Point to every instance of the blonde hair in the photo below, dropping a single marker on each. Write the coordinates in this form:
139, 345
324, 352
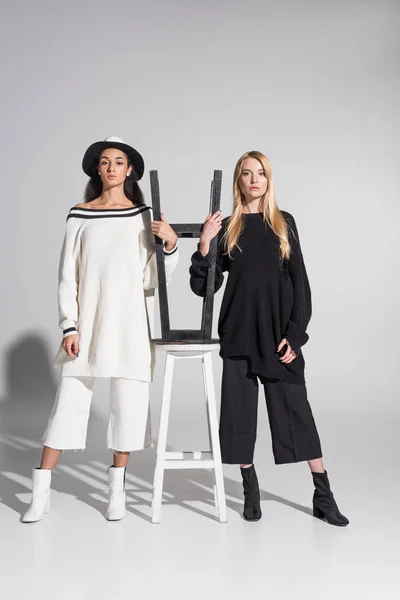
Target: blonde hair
268, 206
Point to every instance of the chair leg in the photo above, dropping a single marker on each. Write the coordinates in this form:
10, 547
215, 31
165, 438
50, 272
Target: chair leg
162, 439
220, 502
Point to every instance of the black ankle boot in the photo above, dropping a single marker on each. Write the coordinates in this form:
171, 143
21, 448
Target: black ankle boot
324, 505
252, 508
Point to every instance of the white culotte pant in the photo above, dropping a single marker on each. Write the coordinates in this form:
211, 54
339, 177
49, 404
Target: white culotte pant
129, 423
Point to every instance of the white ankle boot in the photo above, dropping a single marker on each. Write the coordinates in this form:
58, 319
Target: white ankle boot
116, 494
40, 503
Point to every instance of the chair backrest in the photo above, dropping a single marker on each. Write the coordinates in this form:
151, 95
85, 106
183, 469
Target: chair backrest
186, 230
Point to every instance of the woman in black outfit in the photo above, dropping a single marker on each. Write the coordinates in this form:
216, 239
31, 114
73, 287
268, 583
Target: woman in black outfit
262, 326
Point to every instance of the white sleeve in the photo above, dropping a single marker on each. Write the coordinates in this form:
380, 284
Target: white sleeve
148, 255
68, 277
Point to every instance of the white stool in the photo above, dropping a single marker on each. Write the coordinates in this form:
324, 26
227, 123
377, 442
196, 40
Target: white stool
210, 459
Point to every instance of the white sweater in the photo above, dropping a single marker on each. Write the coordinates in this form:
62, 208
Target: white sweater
107, 269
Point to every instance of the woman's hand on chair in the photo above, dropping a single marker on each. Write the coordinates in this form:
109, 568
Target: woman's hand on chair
163, 230
211, 228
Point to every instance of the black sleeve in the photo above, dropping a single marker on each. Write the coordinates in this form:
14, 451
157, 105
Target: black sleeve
296, 333
200, 265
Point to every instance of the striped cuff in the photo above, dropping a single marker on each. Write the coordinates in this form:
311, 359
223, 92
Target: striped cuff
169, 252
69, 331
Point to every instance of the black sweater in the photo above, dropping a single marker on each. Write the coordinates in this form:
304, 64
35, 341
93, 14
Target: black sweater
266, 298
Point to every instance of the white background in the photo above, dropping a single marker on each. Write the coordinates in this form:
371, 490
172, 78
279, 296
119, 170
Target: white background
313, 84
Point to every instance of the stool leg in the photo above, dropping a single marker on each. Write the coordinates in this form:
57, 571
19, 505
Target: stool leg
162, 439
213, 430
209, 431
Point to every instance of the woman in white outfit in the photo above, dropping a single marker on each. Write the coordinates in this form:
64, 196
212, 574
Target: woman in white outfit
107, 277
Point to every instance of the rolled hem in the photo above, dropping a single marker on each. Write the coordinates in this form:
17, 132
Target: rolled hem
240, 462
295, 460
58, 449
132, 450
237, 444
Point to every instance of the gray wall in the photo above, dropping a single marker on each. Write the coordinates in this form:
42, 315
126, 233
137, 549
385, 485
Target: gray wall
314, 84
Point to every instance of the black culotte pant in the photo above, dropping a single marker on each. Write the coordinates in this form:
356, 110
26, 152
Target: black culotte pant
294, 434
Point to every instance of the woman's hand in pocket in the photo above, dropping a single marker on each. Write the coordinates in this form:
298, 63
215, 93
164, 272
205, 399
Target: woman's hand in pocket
289, 355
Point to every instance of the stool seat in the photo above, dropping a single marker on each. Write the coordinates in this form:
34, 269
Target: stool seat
186, 346
179, 347
189, 459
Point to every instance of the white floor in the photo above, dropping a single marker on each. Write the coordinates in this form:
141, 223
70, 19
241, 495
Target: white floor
75, 553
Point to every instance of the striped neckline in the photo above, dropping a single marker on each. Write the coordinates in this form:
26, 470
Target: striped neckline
97, 213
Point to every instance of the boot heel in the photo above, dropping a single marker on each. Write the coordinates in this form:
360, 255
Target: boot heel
318, 513
323, 497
